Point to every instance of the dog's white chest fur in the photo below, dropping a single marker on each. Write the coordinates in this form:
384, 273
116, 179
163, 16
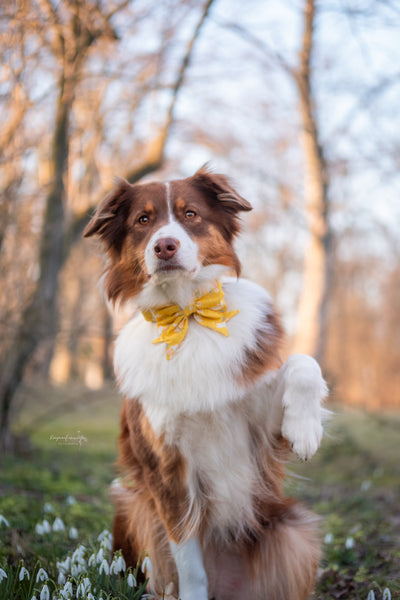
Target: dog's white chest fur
202, 375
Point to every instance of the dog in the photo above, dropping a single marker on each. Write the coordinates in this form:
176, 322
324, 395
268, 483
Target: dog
211, 413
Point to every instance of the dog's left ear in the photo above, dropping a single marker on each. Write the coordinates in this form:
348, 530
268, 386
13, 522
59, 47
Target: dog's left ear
218, 187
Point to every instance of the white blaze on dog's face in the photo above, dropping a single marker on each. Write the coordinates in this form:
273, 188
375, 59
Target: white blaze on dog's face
158, 232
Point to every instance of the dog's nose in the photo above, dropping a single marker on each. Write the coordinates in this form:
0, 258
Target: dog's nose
165, 248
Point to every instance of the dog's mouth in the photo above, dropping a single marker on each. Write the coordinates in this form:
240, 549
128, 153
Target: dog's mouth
168, 267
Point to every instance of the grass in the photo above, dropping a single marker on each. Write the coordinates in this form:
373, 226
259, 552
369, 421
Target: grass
353, 483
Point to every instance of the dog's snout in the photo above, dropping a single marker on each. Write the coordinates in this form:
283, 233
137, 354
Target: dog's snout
166, 248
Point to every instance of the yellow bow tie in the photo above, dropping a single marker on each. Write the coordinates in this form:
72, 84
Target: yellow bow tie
209, 310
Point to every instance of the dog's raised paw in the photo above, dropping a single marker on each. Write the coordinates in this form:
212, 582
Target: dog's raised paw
304, 435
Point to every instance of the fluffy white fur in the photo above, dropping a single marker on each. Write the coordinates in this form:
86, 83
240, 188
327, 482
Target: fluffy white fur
196, 402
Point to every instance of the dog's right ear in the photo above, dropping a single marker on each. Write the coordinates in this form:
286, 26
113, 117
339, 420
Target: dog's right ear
109, 220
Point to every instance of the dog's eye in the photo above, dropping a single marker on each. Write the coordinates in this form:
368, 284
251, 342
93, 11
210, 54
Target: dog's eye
190, 214
143, 219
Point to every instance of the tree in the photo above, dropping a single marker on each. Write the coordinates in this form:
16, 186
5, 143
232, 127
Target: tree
311, 330
74, 29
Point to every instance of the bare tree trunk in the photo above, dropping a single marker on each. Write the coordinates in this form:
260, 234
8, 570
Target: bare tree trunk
39, 319
312, 310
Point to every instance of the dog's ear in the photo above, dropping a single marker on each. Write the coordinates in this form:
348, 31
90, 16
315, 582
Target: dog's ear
109, 220
219, 189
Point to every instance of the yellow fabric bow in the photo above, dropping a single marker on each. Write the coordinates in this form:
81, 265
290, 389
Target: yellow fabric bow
209, 310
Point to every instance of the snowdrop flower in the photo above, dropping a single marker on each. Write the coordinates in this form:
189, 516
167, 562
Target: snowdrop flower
45, 594
48, 507
39, 529
70, 500
365, 486
41, 575
121, 563
92, 560
104, 567
4, 520
67, 591
73, 533
349, 543
90, 596
100, 555
78, 553
146, 565
371, 595
328, 538
58, 525
118, 564
83, 588
130, 580
23, 573
61, 578
386, 594
105, 539
42, 528
3, 575
64, 565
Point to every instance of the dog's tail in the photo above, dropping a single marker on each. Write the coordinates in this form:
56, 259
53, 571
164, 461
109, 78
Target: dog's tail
285, 561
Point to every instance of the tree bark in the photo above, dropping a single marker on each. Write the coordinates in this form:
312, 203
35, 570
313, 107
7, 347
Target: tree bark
310, 336
40, 318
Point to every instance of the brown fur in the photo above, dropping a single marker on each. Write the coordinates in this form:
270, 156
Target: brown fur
117, 222
275, 555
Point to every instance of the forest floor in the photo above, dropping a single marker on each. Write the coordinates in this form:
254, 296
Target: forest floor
353, 483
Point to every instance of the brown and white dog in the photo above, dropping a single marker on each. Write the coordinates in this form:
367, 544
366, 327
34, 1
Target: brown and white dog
209, 416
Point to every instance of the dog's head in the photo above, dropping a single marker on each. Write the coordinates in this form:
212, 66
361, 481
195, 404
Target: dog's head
156, 231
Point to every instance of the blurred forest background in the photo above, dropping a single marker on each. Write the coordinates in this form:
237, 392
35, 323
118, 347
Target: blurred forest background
298, 101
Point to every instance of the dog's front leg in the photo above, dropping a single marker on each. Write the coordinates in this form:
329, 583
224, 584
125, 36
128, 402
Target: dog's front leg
302, 389
191, 572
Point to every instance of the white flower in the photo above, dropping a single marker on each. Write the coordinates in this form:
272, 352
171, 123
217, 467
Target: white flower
121, 563
41, 575
48, 507
104, 567
73, 533
71, 500
349, 543
365, 485
42, 528
386, 594
92, 560
329, 538
58, 525
100, 555
371, 595
67, 591
3, 575
90, 596
61, 578
130, 580
83, 588
64, 566
146, 565
78, 553
4, 520
23, 573
45, 594
105, 538
114, 569
46, 526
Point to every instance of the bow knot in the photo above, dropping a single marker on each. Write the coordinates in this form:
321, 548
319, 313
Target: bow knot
209, 310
